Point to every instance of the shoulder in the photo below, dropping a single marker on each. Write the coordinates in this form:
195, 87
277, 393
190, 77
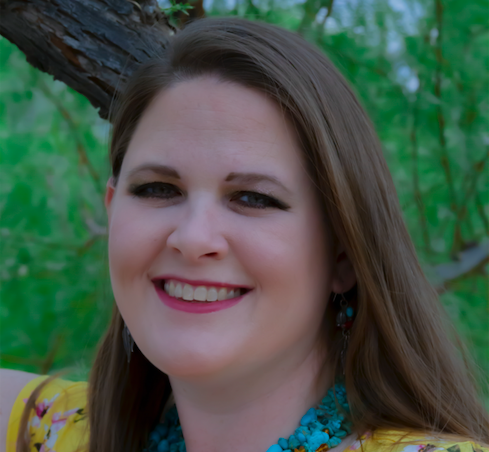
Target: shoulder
398, 441
57, 416
11, 383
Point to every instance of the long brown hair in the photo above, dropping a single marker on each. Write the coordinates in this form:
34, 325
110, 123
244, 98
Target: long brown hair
401, 369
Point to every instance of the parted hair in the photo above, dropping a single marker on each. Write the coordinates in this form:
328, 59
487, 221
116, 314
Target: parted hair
404, 368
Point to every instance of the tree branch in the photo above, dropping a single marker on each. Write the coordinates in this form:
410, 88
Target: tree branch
322, 24
42, 364
92, 46
467, 263
80, 147
311, 9
480, 210
473, 177
444, 160
415, 174
196, 12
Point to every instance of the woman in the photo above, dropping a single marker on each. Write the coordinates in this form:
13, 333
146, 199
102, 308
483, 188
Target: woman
258, 257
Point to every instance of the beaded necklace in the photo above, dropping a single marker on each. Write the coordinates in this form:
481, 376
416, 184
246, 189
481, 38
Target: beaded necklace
320, 429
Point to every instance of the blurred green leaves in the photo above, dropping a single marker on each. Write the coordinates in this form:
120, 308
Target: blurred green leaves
420, 69
54, 286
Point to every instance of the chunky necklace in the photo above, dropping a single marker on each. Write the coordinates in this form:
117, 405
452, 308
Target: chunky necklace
320, 429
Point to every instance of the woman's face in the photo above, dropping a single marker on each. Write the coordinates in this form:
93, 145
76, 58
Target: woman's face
213, 196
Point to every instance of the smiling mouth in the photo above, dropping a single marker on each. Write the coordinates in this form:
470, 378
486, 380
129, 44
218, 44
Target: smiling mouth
198, 294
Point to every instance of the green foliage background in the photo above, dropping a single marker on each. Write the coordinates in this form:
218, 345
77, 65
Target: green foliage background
420, 69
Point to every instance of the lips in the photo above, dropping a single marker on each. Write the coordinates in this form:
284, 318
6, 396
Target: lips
199, 293
198, 296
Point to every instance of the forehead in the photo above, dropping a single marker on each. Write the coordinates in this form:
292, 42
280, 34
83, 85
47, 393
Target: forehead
208, 122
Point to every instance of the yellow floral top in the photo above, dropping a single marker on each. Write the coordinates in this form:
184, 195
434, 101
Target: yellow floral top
59, 424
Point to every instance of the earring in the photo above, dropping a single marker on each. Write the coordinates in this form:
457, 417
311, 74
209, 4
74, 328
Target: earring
344, 320
128, 342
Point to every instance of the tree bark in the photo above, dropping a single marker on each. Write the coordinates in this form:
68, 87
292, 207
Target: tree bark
91, 45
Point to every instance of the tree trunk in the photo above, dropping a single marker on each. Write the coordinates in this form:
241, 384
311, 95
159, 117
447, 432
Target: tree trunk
91, 45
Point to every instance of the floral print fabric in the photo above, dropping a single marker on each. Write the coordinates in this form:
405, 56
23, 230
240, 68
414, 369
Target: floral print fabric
60, 424
398, 441
59, 421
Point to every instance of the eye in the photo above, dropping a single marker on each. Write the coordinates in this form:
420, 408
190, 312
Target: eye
155, 190
255, 200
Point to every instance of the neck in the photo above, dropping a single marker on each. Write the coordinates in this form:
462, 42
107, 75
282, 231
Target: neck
250, 412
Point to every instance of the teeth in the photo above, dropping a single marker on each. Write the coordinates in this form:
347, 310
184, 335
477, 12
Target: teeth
188, 292
178, 291
200, 293
212, 294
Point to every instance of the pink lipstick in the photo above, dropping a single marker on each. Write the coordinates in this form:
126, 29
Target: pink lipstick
197, 307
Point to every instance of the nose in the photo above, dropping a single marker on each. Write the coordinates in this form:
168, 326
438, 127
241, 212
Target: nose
198, 234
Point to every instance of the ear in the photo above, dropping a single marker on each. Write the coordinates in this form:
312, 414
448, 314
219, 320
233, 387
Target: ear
344, 277
109, 194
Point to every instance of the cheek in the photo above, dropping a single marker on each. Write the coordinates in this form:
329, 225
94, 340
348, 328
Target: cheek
289, 260
135, 240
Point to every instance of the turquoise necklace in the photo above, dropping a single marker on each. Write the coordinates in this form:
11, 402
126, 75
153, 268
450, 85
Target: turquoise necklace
320, 429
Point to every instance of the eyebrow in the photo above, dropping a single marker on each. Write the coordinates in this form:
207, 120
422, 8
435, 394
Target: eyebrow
162, 170
241, 178
250, 178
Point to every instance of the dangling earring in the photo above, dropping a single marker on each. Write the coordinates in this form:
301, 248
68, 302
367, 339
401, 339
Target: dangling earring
344, 320
128, 342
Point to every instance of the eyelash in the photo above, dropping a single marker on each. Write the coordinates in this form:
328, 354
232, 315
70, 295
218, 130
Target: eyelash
144, 191
270, 203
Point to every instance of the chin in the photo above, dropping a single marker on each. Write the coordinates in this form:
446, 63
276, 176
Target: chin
189, 362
